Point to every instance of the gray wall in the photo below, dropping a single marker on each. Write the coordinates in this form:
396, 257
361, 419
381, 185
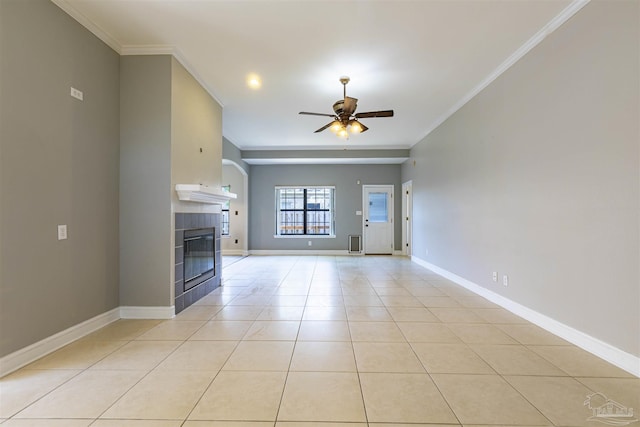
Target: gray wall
145, 181
59, 165
263, 180
196, 147
166, 118
537, 177
196, 136
233, 153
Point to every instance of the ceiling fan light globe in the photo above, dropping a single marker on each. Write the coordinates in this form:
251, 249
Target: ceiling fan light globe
342, 133
335, 126
355, 127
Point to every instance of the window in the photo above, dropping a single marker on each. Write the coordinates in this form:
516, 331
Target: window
304, 211
225, 212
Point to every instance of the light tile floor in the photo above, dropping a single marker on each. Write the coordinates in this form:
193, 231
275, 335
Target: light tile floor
319, 342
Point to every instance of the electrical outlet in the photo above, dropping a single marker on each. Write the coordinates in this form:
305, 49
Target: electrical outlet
309, 243
505, 280
62, 232
77, 94
495, 276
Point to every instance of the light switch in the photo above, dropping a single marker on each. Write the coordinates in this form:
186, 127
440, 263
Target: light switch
62, 232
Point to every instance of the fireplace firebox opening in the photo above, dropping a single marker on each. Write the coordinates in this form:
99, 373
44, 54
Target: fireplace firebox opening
199, 256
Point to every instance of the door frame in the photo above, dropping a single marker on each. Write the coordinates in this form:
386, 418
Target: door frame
407, 217
391, 188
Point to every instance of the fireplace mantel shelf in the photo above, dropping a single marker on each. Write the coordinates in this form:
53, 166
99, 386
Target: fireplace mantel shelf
203, 194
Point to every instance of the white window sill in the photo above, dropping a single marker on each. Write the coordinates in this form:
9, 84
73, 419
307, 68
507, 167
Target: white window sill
302, 236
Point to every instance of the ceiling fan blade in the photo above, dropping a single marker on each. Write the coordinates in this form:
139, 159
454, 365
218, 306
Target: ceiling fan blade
384, 113
316, 114
323, 127
350, 105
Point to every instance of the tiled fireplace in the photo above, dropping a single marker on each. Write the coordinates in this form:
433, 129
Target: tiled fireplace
195, 225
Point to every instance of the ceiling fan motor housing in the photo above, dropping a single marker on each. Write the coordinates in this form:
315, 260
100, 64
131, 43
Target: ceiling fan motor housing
344, 110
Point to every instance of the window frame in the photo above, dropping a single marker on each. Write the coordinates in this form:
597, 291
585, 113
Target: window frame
225, 213
305, 211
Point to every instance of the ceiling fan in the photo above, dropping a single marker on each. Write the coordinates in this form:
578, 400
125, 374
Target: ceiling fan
344, 118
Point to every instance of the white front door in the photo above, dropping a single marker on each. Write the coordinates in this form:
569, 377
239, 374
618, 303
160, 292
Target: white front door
378, 219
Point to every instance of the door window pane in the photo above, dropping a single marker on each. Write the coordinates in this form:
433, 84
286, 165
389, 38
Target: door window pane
378, 211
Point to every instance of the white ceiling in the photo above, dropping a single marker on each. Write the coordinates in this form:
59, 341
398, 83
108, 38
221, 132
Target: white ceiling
423, 59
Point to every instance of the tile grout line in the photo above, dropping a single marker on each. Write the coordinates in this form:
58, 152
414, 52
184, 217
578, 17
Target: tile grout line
353, 274
355, 361
81, 371
295, 343
221, 367
467, 345
428, 373
226, 360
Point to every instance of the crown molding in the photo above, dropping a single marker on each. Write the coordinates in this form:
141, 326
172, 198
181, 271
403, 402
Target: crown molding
100, 33
175, 52
182, 60
537, 38
550, 27
125, 50
148, 50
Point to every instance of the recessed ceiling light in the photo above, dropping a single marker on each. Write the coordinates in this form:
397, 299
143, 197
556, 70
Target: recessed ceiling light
254, 81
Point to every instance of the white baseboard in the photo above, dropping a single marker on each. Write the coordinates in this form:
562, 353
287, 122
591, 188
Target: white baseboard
329, 252
603, 350
147, 312
299, 252
24, 356
234, 252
